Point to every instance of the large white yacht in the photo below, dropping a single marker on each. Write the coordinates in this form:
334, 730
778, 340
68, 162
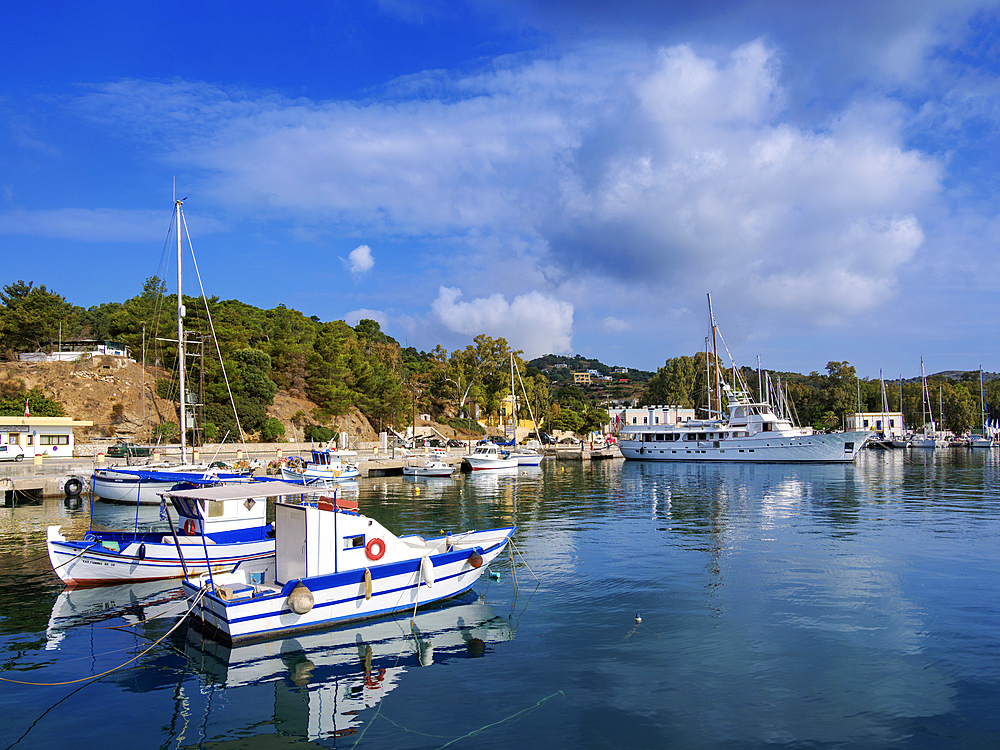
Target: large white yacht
752, 433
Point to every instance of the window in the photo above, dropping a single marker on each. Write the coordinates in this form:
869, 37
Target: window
644, 420
634, 420
53, 440
656, 420
12, 438
29, 439
353, 542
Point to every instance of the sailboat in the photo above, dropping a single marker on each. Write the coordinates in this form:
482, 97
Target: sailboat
985, 440
144, 485
525, 456
927, 437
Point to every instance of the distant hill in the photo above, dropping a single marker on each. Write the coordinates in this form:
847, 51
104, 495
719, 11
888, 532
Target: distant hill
577, 363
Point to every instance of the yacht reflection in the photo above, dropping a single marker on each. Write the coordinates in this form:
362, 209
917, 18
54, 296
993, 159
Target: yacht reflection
324, 681
134, 603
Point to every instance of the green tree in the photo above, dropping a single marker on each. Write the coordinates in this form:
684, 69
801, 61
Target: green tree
32, 317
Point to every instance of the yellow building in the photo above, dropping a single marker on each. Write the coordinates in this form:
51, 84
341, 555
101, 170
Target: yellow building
581, 378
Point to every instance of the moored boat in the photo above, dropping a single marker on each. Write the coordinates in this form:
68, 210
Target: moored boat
432, 467
326, 466
367, 571
487, 457
215, 527
143, 486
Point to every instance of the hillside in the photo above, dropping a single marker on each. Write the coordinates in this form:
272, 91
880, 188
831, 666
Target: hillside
108, 392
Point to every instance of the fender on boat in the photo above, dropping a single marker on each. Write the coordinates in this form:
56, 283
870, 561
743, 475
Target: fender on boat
427, 571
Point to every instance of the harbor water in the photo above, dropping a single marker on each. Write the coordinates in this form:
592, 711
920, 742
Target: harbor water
676, 606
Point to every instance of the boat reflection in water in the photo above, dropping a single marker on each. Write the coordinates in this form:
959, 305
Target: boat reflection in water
134, 603
330, 678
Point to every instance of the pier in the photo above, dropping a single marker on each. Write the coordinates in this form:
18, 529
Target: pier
30, 480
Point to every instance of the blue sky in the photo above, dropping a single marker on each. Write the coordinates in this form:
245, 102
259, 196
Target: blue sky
573, 176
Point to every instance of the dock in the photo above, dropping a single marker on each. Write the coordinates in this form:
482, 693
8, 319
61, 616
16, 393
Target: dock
31, 480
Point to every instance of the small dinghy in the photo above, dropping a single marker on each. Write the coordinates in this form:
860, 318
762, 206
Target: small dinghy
334, 565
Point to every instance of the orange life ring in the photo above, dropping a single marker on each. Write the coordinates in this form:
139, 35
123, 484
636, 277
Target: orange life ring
189, 528
375, 541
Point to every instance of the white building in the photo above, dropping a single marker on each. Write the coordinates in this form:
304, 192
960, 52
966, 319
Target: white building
48, 436
70, 351
889, 424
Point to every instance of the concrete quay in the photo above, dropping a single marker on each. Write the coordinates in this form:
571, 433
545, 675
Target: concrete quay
46, 477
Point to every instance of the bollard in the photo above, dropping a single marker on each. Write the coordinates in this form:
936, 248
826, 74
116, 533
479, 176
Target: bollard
375, 451
100, 457
279, 452
197, 455
38, 459
239, 454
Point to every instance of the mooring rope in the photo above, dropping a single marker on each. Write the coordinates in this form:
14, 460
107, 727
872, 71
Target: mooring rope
153, 645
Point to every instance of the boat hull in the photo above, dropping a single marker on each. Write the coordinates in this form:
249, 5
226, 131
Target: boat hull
483, 463
341, 597
94, 562
838, 447
319, 475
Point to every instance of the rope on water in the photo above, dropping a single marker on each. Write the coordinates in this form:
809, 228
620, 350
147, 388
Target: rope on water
120, 666
474, 732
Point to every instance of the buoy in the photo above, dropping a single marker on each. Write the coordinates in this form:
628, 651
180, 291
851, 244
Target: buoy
494, 576
301, 599
189, 528
475, 560
141, 554
368, 584
370, 548
427, 571
638, 620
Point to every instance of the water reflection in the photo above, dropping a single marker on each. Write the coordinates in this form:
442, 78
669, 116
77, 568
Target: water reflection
323, 683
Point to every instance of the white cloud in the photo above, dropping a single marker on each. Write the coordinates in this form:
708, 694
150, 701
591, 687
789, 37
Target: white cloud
355, 316
360, 261
620, 172
612, 324
532, 322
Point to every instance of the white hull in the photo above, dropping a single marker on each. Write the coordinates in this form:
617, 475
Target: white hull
927, 442
981, 443
838, 447
528, 458
429, 469
319, 475
89, 563
122, 487
341, 597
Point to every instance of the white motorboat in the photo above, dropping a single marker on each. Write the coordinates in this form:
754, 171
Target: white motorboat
489, 456
215, 526
432, 467
333, 566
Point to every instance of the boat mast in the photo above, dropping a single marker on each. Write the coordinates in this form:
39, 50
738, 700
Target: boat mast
982, 401
180, 334
708, 379
715, 356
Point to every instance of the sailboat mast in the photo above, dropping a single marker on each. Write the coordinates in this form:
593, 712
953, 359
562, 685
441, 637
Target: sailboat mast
982, 401
715, 356
180, 336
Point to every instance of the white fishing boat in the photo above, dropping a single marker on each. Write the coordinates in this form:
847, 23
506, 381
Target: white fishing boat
326, 466
144, 485
333, 565
217, 526
487, 457
432, 467
352, 667
750, 431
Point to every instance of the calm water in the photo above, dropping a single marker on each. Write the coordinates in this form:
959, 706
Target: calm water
789, 606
